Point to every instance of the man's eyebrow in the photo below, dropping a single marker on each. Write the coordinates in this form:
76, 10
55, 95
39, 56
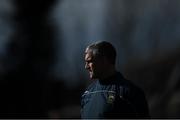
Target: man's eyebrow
89, 59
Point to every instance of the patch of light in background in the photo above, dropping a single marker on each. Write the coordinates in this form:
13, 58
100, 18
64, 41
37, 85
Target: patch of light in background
80, 23
152, 32
6, 12
170, 29
6, 22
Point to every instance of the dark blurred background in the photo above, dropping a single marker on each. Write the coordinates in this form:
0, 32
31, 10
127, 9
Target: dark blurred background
42, 46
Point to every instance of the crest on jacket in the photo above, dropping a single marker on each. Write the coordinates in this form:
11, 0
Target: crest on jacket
110, 97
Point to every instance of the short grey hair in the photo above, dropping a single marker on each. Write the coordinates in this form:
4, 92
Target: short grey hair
105, 49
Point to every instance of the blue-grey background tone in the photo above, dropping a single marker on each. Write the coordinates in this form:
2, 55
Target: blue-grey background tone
42, 45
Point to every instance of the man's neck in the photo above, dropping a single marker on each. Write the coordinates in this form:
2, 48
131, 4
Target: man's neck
108, 73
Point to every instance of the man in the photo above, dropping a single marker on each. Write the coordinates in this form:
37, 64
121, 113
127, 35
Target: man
110, 96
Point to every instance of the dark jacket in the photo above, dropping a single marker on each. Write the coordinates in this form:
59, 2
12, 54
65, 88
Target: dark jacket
114, 97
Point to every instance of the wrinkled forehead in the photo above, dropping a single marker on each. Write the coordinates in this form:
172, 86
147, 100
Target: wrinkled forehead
92, 54
88, 52
91, 51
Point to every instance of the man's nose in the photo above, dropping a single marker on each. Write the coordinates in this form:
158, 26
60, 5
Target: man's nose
86, 66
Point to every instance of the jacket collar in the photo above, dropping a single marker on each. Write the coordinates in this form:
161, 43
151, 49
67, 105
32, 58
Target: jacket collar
115, 78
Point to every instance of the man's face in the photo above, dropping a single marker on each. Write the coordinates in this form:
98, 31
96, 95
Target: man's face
93, 64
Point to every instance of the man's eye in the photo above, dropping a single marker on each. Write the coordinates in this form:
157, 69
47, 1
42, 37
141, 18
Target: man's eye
89, 62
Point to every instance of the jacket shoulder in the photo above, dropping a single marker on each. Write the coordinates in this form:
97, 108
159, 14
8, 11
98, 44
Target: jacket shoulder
91, 87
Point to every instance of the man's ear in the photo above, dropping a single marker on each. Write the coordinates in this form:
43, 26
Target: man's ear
105, 60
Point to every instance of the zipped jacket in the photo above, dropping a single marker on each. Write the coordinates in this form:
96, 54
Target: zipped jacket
114, 97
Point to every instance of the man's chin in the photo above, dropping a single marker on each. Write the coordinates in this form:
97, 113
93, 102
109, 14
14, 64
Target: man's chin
92, 77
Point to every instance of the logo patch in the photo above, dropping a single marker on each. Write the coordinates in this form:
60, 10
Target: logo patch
110, 98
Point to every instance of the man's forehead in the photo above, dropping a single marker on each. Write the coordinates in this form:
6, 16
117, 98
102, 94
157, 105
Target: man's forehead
88, 50
88, 54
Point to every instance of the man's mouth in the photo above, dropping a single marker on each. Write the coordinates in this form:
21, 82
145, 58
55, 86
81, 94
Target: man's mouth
90, 73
